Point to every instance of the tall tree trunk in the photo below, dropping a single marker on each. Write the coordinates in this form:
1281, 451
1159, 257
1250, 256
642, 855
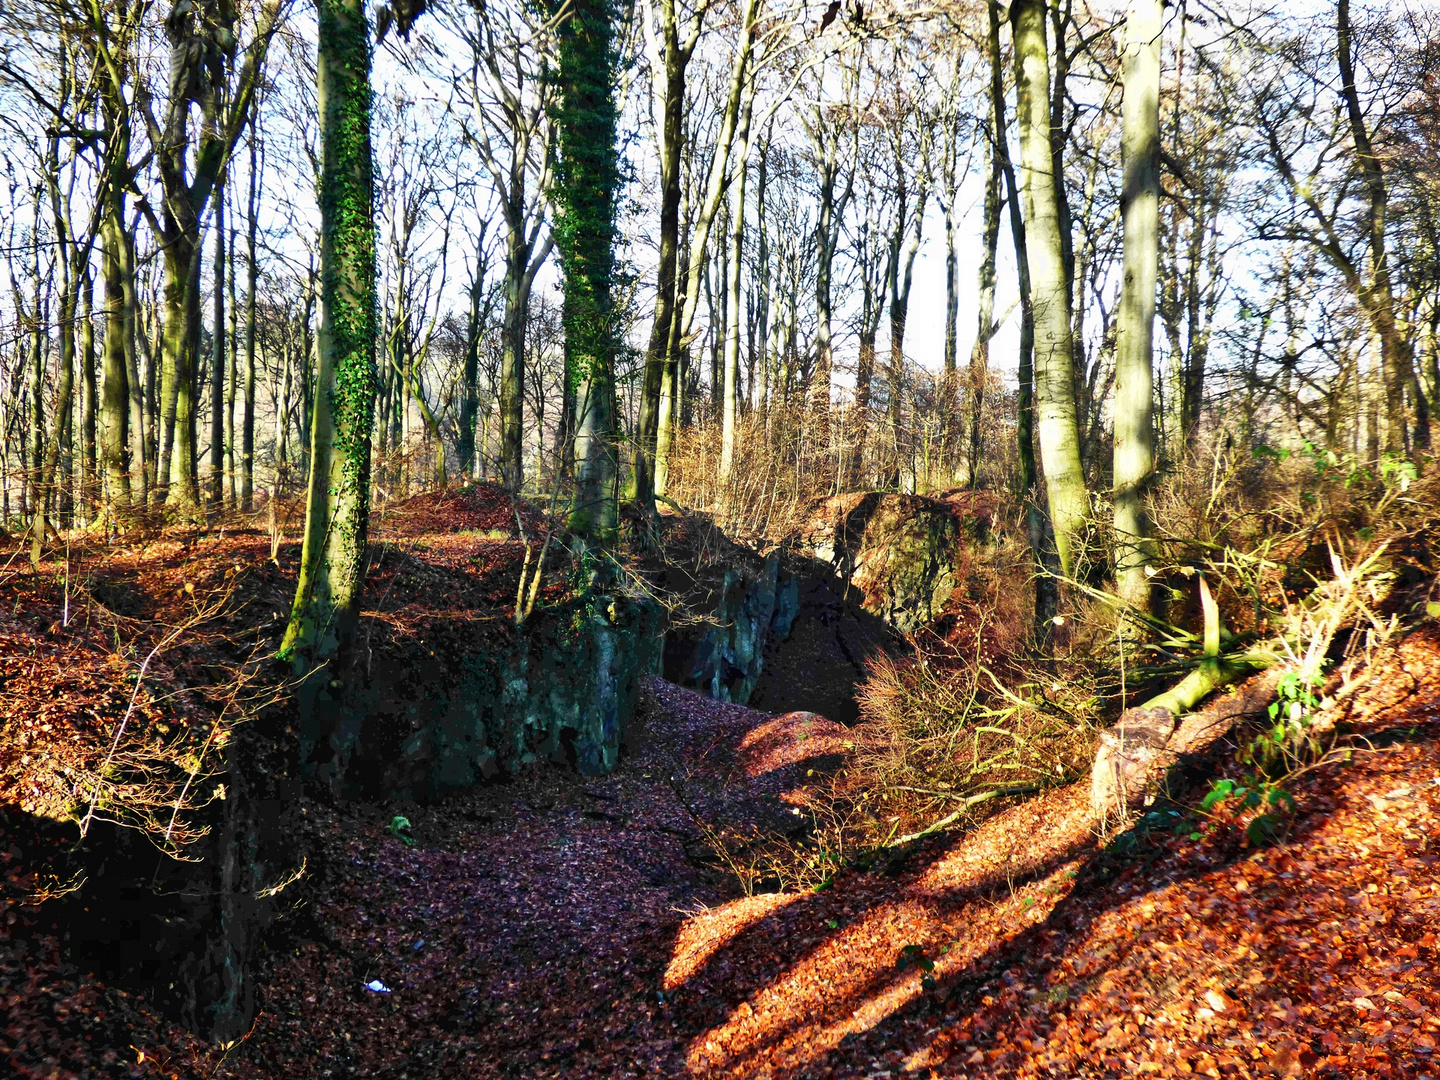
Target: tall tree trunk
949, 380
564, 452
38, 349
70, 258
186, 494
730, 409
698, 221
978, 377
717, 303
1038, 529
1064, 216
144, 396
282, 419
190, 172
232, 372
177, 374
826, 241
512, 356
119, 317
62, 405
252, 274
1378, 298
89, 478
1134, 362
470, 391
586, 181
337, 507
1050, 288
658, 355
1201, 308
904, 246
672, 380
760, 341
218, 359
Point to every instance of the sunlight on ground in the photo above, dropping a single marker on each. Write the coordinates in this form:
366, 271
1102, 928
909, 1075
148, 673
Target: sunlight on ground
973, 900
705, 934
788, 740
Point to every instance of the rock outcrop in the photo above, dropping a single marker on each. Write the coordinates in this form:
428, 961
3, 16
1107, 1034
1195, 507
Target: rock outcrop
897, 551
730, 656
561, 689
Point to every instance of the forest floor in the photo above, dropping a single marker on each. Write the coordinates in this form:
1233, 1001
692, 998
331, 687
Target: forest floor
564, 927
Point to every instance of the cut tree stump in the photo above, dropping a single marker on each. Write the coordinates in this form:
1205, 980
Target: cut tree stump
1137, 754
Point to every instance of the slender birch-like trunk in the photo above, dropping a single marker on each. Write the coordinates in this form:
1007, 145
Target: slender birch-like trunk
218, 355
673, 57
730, 408
252, 273
89, 476
978, 377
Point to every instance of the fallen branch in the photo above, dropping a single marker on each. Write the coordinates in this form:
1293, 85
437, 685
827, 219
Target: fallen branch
1137, 753
965, 804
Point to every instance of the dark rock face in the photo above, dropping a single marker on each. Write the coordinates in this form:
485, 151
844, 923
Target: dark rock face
729, 657
185, 933
794, 631
561, 689
818, 663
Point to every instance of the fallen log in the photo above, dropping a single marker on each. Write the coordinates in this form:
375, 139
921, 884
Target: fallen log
1136, 754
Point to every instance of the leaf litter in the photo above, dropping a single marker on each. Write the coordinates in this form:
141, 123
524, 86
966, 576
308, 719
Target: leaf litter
555, 926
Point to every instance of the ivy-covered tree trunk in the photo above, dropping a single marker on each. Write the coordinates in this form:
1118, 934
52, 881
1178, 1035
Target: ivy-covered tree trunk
337, 507
586, 179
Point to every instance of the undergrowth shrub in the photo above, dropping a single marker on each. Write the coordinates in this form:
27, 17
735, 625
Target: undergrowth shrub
762, 860
946, 735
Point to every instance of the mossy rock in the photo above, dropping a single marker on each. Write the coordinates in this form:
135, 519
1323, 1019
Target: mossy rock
898, 551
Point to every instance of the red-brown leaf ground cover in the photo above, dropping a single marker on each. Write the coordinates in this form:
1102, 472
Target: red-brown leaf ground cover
553, 926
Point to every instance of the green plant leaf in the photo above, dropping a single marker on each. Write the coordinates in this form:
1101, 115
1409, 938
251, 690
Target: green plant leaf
1222, 790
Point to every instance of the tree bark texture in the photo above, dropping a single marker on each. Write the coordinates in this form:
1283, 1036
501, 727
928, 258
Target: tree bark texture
1134, 360
586, 180
1050, 288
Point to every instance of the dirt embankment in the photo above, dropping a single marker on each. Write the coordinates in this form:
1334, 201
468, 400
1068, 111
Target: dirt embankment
559, 927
